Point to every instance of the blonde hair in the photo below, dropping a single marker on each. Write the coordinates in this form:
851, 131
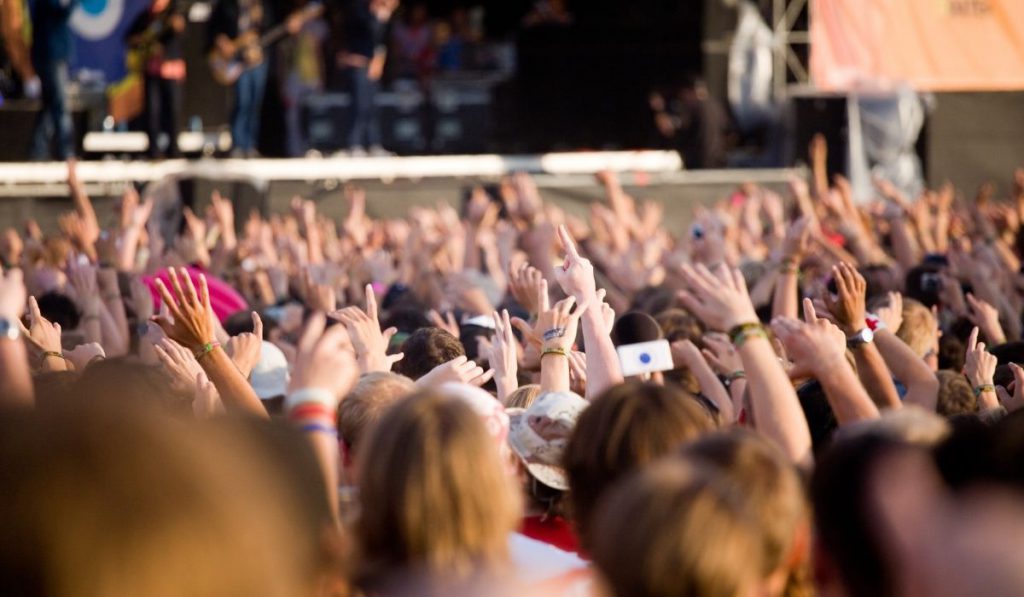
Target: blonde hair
919, 329
773, 490
435, 498
523, 397
675, 529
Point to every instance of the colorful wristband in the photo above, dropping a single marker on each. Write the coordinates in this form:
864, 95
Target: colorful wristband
985, 387
319, 428
310, 395
206, 349
741, 333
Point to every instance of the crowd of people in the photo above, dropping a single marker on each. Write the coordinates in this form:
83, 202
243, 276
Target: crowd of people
281, 404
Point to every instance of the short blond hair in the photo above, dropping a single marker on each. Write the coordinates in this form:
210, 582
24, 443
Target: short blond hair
920, 328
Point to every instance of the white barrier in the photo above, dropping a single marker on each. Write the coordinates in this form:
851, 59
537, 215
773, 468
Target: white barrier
17, 176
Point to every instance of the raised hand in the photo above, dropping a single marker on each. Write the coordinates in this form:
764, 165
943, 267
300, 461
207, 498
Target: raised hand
719, 299
12, 294
848, 306
524, 284
721, 354
244, 349
446, 323
503, 357
369, 342
324, 359
814, 344
576, 276
558, 325
180, 365
986, 317
192, 323
980, 368
457, 370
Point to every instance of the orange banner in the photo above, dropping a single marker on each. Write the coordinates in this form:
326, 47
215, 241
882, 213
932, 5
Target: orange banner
939, 45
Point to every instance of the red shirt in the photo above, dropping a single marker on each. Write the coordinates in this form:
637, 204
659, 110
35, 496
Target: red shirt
553, 530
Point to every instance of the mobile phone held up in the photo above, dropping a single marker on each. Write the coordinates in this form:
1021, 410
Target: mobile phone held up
645, 357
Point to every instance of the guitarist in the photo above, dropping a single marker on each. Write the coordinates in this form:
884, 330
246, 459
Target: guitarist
236, 25
156, 36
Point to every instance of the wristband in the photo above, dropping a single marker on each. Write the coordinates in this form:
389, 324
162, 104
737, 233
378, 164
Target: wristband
319, 428
741, 333
789, 266
740, 374
310, 410
52, 353
560, 351
310, 395
206, 349
985, 387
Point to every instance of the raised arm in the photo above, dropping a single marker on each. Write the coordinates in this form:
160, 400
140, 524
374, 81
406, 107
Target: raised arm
15, 377
558, 325
818, 346
576, 277
192, 327
786, 299
907, 367
847, 307
721, 301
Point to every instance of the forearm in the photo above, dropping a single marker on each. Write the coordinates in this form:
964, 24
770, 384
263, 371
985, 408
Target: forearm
875, 377
712, 389
777, 412
554, 373
847, 397
909, 369
786, 298
905, 247
603, 369
15, 377
234, 390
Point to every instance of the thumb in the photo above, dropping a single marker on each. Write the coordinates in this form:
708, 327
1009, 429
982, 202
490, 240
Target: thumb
523, 327
257, 325
164, 323
394, 358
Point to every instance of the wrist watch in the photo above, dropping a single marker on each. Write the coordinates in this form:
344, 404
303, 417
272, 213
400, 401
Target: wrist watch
9, 329
865, 336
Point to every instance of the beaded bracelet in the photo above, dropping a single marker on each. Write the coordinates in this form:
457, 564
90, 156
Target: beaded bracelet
560, 351
985, 387
741, 333
206, 349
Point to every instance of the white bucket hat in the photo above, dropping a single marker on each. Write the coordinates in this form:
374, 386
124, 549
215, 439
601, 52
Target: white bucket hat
539, 435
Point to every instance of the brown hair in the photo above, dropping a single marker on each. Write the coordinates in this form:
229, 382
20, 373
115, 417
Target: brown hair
956, 396
437, 498
425, 349
627, 426
123, 502
366, 404
774, 493
675, 529
523, 397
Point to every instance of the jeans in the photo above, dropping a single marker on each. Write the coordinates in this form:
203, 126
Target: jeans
245, 119
363, 130
163, 98
295, 93
53, 123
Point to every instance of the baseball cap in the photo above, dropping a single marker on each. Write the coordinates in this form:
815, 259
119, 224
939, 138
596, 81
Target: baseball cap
269, 378
539, 435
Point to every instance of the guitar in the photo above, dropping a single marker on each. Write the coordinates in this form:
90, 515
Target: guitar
247, 49
126, 97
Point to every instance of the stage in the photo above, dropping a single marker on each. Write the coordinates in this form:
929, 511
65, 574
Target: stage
393, 184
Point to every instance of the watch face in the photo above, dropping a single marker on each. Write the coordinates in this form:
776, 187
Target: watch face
867, 335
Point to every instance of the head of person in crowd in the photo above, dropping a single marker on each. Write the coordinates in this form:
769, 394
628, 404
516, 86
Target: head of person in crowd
425, 349
523, 397
849, 556
436, 500
101, 492
677, 528
920, 331
363, 408
538, 436
123, 381
956, 396
774, 493
624, 428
